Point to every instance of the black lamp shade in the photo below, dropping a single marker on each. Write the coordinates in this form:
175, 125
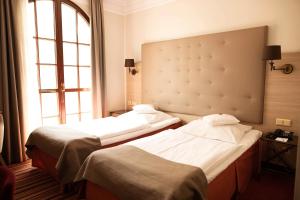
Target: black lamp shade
272, 52
129, 62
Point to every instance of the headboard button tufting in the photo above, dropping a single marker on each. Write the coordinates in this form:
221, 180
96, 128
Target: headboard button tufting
203, 71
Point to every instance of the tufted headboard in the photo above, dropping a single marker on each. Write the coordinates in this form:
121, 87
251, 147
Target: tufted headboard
215, 73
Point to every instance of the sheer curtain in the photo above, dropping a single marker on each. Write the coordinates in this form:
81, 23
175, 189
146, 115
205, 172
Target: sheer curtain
14, 78
98, 60
32, 99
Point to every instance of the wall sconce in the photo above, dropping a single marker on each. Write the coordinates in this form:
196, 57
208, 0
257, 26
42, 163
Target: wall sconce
273, 52
130, 63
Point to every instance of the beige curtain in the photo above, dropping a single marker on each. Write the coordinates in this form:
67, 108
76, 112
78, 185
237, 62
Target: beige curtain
12, 63
98, 60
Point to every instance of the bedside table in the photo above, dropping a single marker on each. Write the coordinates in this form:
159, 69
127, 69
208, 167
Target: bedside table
273, 150
118, 112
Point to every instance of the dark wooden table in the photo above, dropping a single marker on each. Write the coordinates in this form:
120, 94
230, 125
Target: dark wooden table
277, 150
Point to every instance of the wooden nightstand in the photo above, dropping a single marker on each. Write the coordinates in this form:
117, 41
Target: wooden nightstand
279, 155
117, 112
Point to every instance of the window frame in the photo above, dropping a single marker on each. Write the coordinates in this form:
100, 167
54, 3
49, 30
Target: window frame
58, 39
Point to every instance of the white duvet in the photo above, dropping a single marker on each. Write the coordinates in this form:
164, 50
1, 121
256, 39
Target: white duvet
112, 127
212, 156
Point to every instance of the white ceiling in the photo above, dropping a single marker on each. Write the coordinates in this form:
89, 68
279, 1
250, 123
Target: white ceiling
125, 7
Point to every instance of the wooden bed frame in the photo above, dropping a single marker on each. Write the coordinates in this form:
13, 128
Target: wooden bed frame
47, 163
230, 183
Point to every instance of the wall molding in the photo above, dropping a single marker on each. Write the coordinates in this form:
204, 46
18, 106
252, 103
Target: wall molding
115, 6
126, 7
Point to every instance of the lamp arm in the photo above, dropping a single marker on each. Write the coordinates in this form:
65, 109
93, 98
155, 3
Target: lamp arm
132, 71
272, 65
286, 68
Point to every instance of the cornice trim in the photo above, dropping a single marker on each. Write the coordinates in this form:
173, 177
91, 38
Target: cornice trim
126, 7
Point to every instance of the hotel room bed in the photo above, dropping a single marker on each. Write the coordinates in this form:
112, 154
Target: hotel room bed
227, 166
60, 150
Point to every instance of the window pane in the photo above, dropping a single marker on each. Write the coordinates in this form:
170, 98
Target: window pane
50, 121
70, 75
68, 23
48, 77
85, 101
33, 51
72, 118
47, 51
71, 99
45, 16
31, 20
85, 77
84, 35
86, 116
49, 104
70, 54
84, 55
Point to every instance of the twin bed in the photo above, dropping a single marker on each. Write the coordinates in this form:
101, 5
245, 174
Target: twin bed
189, 77
61, 150
227, 165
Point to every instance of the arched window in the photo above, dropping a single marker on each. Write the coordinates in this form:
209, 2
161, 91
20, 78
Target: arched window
62, 39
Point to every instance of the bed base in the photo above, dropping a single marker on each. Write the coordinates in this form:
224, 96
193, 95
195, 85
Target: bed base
226, 186
47, 163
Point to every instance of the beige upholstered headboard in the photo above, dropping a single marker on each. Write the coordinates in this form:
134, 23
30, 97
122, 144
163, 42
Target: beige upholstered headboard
215, 73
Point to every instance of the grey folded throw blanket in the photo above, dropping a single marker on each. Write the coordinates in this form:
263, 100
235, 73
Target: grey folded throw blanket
131, 173
69, 146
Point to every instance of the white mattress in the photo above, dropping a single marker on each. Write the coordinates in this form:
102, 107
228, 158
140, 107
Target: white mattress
148, 129
212, 156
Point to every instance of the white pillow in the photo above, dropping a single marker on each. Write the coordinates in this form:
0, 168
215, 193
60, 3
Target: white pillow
144, 108
226, 133
149, 118
220, 119
152, 118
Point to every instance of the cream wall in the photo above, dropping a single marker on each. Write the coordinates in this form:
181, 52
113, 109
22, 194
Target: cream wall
183, 18
84, 5
114, 55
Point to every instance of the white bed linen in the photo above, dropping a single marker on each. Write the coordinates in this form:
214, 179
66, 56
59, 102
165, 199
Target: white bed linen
109, 126
212, 156
133, 134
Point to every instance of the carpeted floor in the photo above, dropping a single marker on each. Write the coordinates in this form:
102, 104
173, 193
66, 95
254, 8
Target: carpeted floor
271, 186
33, 184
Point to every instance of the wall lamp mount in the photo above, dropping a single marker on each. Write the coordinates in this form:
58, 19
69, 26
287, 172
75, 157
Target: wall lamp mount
273, 52
130, 64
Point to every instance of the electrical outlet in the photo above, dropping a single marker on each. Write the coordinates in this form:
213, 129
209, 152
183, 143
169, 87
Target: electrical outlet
283, 122
279, 122
287, 122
